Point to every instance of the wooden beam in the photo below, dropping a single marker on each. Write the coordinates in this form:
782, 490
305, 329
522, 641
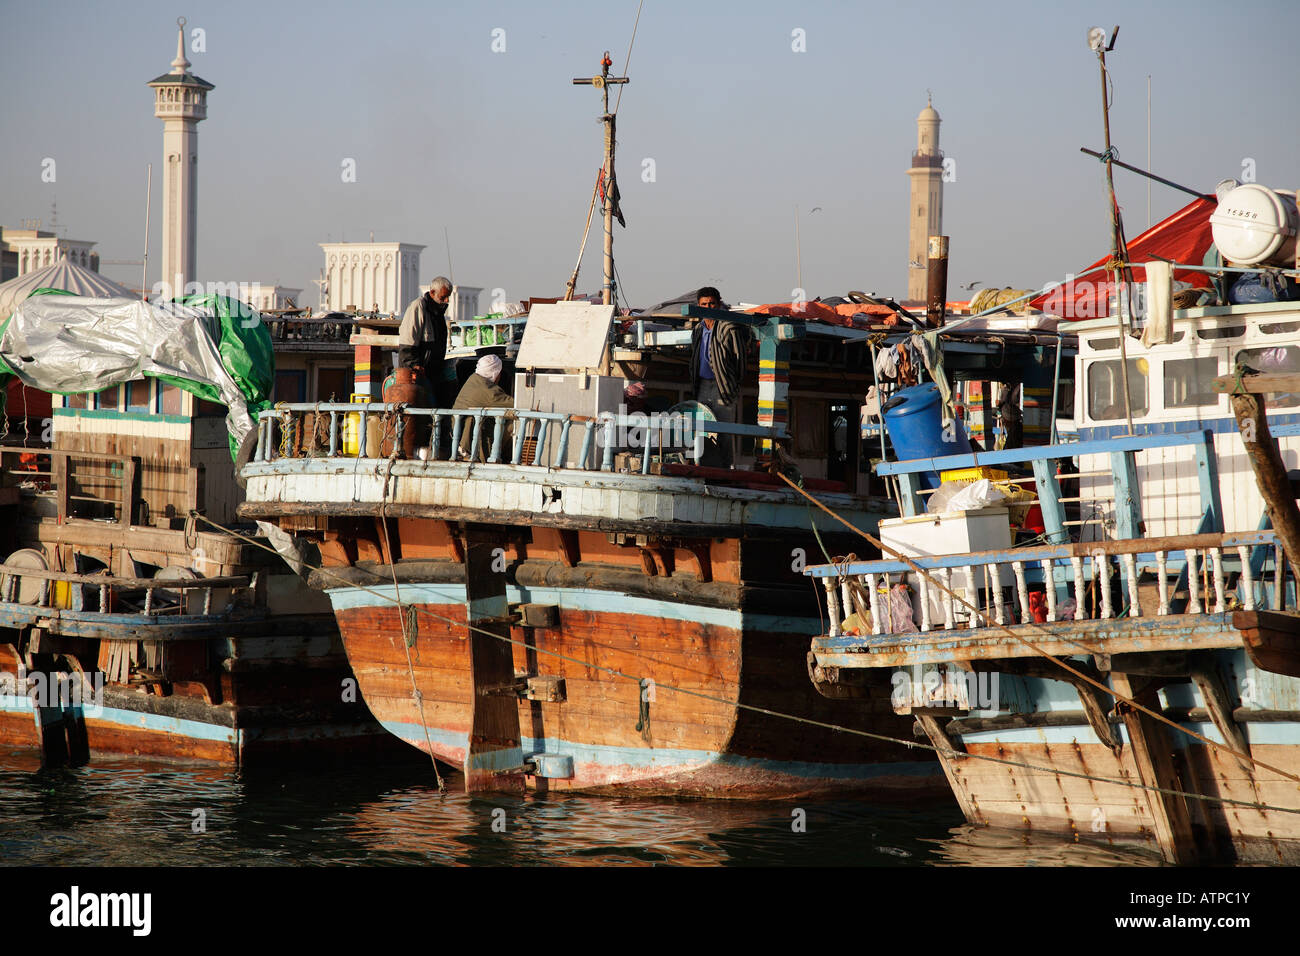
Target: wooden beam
373, 339
1270, 473
949, 754
1260, 383
570, 553
494, 744
1153, 754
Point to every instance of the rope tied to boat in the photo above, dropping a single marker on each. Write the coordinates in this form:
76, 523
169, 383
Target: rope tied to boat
754, 708
406, 614
983, 615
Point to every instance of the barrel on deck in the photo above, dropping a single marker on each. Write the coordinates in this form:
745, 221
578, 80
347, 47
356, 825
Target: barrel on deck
914, 420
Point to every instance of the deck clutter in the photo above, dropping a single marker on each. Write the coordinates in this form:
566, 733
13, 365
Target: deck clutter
125, 626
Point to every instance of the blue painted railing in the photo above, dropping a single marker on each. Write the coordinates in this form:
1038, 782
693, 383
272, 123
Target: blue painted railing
1224, 560
653, 436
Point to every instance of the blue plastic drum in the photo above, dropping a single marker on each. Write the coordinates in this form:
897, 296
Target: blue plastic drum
914, 421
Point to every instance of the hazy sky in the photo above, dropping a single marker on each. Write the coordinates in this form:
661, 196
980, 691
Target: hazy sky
501, 150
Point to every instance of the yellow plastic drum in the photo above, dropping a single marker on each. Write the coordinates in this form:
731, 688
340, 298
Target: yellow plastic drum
352, 427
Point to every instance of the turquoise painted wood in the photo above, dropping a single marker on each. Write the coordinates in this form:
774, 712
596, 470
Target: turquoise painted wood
1128, 500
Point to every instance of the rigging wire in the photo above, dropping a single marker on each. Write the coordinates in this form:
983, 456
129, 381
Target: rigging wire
1119, 698
628, 60
884, 738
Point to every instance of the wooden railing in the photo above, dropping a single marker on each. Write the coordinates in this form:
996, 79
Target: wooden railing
112, 590
1215, 570
51, 473
497, 435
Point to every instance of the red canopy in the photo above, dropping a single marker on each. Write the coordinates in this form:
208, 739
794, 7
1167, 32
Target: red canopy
1183, 237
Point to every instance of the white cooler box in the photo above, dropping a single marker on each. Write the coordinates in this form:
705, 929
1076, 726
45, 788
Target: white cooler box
955, 532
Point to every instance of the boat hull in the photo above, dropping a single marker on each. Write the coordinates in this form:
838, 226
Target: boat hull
708, 672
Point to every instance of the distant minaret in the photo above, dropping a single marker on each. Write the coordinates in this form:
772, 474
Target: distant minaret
926, 211
181, 101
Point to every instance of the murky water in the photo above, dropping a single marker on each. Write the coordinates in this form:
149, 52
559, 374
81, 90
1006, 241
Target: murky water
131, 813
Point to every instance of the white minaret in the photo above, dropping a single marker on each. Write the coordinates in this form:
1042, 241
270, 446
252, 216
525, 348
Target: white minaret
180, 101
925, 214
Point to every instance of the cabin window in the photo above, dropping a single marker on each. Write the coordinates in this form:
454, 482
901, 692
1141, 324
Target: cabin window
169, 399
107, 399
1275, 328
1285, 358
1187, 382
1106, 389
75, 401
1225, 332
1103, 345
137, 395
205, 407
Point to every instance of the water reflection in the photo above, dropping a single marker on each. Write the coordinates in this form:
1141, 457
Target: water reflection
133, 812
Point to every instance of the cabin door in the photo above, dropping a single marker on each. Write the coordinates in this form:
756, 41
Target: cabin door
842, 435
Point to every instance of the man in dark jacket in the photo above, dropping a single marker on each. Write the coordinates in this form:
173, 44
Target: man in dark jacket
422, 339
718, 351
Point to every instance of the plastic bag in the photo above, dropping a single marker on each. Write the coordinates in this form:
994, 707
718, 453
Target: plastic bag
978, 494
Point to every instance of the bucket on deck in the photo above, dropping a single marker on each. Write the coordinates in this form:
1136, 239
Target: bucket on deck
914, 420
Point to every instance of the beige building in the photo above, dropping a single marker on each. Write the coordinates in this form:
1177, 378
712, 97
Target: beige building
26, 250
268, 296
925, 212
361, 276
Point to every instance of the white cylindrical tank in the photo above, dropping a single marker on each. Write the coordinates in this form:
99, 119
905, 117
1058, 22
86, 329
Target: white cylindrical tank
1256, 226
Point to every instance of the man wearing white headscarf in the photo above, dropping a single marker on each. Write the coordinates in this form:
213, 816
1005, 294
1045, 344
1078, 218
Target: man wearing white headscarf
482, 391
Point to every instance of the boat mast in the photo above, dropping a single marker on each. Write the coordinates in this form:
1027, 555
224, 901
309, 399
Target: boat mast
602, 83
1118, 266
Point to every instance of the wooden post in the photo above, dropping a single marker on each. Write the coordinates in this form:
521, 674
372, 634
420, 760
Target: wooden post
1261, 449
936, 301
1153, 754
494, 749
59, 470
127, 491
1270, 473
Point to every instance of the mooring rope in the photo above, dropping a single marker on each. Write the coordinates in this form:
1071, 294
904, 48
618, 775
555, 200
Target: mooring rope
853, 731
409, 626
1120, 698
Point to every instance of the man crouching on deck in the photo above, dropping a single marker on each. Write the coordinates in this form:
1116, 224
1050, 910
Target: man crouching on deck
482, 391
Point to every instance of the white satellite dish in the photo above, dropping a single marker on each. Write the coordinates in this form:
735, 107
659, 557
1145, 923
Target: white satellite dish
1096, 38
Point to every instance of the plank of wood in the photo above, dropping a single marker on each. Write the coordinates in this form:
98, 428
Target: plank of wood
1153, 755
373, 339
1262, 383
1270, 472
494, 743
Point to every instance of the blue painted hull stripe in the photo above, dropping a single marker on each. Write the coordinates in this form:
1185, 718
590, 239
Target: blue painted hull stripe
1216, 425
671, 758
1260, 732
571, 599
134, 720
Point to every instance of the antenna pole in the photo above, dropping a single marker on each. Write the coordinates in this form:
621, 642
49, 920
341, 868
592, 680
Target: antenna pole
602, 83
1119, 269
798, 252
144, 266
1148, 149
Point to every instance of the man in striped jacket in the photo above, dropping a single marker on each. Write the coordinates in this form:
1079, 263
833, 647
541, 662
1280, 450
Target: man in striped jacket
718, 350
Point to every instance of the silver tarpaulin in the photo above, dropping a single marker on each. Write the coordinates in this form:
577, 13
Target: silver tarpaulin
72, 344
